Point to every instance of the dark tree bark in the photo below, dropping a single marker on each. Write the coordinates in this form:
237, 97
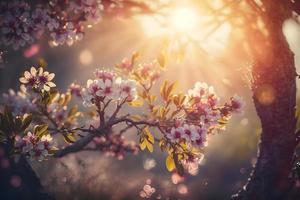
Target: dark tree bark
274, 96
18, 180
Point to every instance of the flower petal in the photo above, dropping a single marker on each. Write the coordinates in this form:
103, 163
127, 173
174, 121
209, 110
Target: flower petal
51, 84
27, 75
51, 76
23, 80
33, 71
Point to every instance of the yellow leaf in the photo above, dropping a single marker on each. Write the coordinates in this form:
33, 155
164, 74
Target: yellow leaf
162, 112
161, 59
149, 146
68, 98
143, 144
155, 110
136, 103
171, 89
170, 164
150, 137
163, 90
69, 138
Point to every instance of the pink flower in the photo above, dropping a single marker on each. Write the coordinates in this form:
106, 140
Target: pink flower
176, 134
128, 90
108, 89
93, 86
147, 191
19, 102
108, 86
199, 90
104, 75
38, 79
37, 149
190, 133
75, 89
126, 65
237, 104
45, 79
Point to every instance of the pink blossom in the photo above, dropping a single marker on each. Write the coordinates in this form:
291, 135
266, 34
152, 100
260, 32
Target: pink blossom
237, 104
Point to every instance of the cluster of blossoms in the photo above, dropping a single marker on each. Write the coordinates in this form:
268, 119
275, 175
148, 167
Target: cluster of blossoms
108, 86
91, 9
22, 23
115, 145
203, 115
35, 148
37, 79
57, 112
67, 33
19, 102
75, 89
148, 190
17, 27
147, 71
190, 133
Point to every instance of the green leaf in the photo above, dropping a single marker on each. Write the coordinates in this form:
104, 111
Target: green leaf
41, 130
26, 121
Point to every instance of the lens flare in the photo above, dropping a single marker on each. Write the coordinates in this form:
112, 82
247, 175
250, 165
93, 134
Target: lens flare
183, 20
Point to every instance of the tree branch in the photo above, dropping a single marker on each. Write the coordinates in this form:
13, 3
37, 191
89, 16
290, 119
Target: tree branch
81, 143
75, 147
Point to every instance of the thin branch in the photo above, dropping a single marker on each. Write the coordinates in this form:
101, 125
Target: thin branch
119, 106
82, 142
75, 147
125, 129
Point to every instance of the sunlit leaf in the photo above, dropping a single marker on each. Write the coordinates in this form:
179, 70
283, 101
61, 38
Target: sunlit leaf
149, 146
41, 130
26, 121
170, 164
73, 111
136, 103
53, 150
149, 136
143, 144
69, 138
161, 59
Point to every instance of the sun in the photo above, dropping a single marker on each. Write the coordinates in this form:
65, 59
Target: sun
183, 20
188, 24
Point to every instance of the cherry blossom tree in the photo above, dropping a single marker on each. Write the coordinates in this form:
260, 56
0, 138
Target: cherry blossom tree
38, 112
183, 120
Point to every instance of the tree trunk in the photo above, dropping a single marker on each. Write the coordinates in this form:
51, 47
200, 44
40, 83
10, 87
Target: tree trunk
274, 96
